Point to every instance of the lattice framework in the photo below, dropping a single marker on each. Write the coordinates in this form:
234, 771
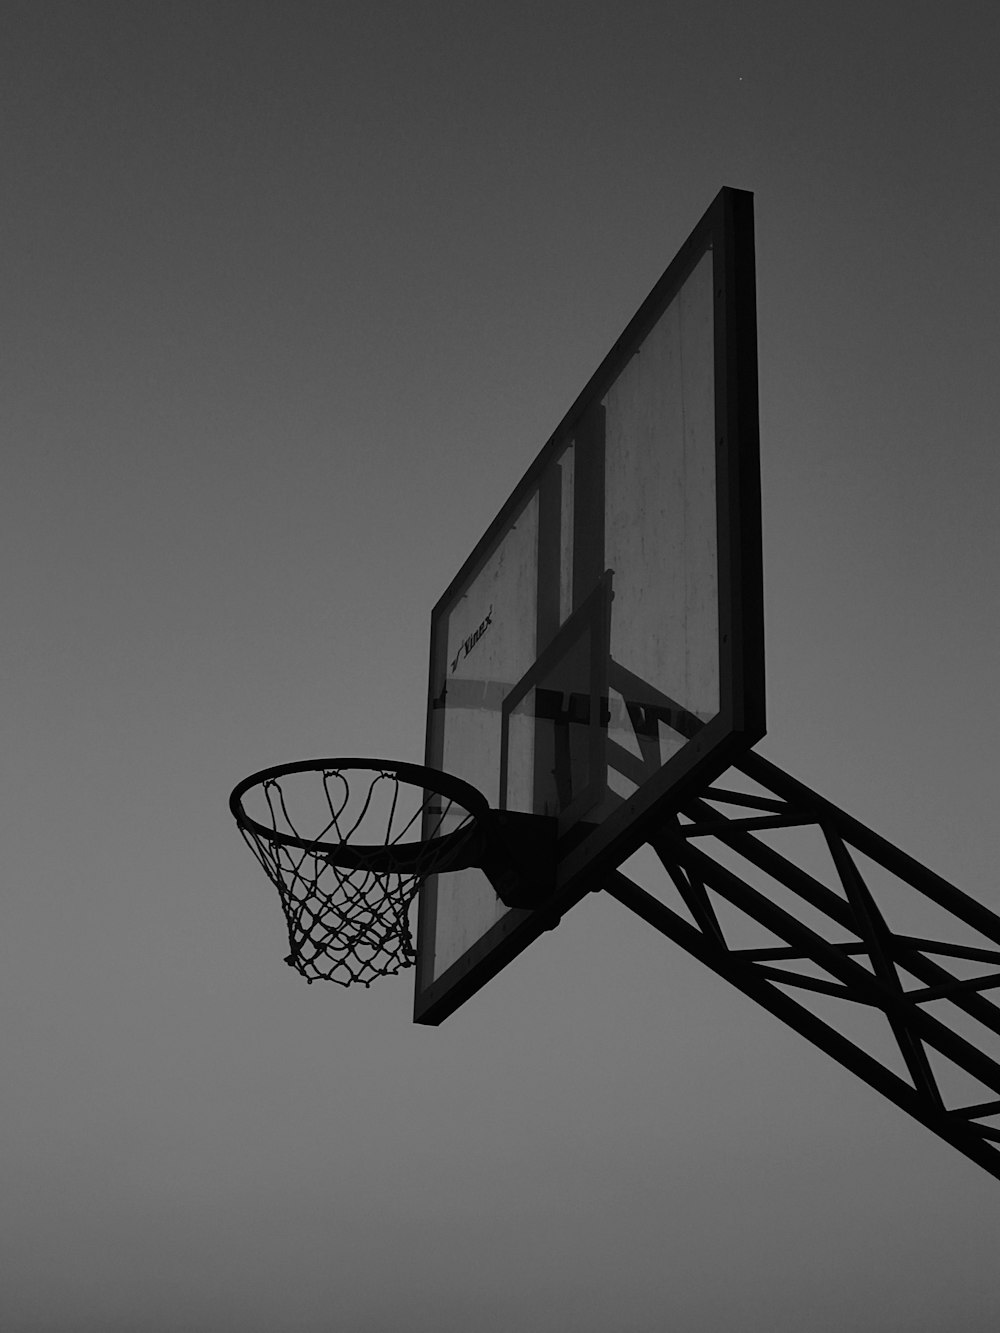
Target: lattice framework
868, 963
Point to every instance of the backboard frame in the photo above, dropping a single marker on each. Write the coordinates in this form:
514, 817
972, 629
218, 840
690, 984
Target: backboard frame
726, 229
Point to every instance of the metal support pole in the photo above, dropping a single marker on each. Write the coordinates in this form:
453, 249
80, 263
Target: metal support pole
871, 967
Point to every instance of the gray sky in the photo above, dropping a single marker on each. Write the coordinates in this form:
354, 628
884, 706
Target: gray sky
292, 295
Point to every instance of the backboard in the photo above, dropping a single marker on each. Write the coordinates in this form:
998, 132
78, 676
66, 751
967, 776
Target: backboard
601, 650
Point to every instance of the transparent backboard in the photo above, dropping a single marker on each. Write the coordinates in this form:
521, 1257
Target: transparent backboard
601, 650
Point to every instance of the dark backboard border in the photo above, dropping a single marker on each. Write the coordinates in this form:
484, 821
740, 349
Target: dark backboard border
727, 227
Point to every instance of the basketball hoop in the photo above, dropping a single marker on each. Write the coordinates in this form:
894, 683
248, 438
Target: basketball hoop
347, 843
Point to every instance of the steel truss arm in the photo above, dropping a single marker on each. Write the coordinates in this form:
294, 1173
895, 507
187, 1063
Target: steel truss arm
697, 850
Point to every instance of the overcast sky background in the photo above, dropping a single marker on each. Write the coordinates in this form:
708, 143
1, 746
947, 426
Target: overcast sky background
292, 294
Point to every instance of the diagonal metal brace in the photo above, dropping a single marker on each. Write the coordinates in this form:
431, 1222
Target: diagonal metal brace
684, 849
